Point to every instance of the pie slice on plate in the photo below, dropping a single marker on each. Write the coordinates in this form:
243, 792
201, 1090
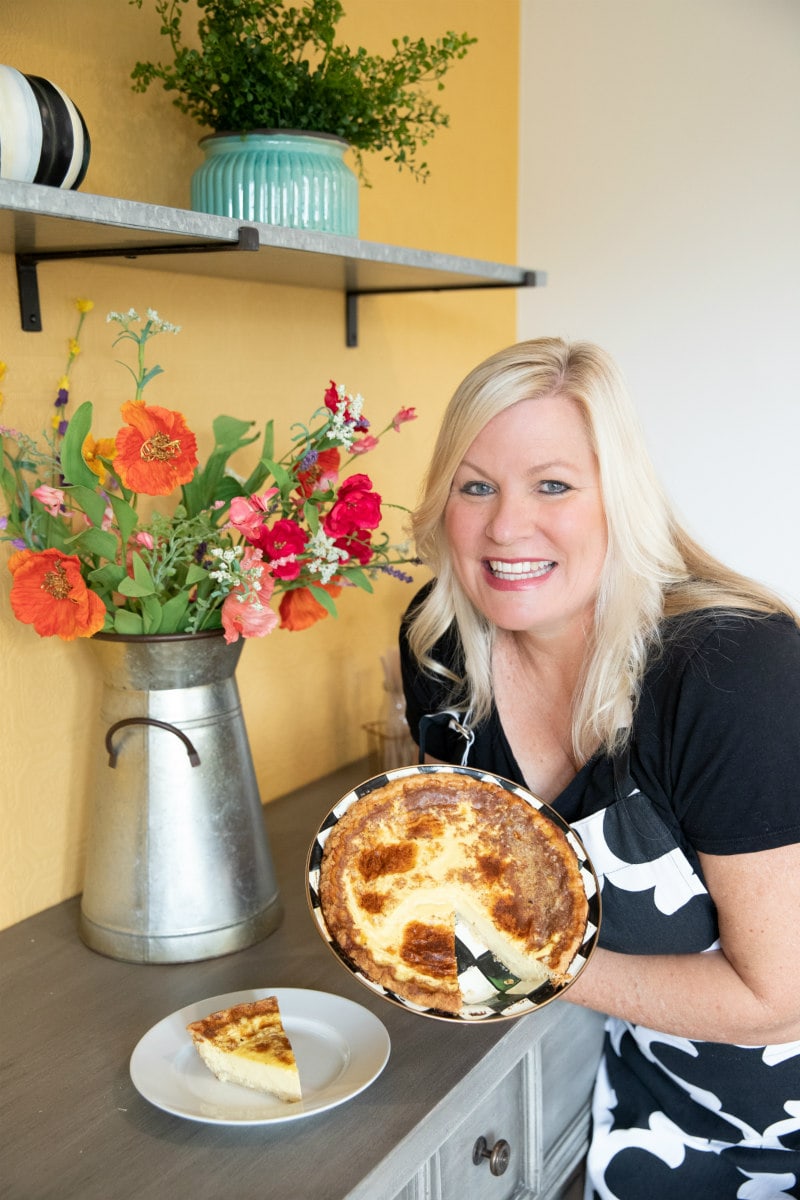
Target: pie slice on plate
247, 1044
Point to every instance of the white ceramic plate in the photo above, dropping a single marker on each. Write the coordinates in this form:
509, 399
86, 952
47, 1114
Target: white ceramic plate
340, 1047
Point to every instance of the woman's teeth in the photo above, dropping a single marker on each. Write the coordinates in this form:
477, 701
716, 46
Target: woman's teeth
519, 570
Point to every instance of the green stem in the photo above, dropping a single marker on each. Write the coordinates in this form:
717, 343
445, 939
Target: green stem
140, 376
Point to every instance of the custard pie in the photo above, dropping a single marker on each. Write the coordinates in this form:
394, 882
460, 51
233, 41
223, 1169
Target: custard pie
408, 860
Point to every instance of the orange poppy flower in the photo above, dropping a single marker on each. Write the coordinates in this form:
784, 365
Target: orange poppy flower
95, 451
156, 450
299, 610
50, 594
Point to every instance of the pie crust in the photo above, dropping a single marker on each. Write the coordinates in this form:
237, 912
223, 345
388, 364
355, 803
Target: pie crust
408, 859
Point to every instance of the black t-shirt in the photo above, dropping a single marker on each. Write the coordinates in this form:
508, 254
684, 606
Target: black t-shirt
715, 740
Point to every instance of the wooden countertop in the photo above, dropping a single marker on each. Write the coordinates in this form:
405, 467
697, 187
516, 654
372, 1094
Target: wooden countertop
75, 1128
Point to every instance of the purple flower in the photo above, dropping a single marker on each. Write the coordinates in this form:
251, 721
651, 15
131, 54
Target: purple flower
62, 398
62, 428
19, 543
308, 460
393, 571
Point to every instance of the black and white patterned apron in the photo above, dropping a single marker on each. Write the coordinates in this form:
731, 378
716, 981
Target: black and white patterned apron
674, 1117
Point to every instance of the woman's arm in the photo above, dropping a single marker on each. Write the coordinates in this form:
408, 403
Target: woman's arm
747, 993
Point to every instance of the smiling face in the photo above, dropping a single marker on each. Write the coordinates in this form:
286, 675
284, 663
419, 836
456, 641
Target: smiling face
525, 520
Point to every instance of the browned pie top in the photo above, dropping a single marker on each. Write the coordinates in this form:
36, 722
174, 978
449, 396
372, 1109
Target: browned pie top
255, 1028
407, 857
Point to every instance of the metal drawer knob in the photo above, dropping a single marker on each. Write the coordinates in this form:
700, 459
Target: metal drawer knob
498, 1156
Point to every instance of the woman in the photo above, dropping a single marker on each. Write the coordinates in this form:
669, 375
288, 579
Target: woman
576, 640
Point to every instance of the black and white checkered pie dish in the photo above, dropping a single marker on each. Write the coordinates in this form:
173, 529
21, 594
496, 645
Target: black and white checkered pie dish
489, 989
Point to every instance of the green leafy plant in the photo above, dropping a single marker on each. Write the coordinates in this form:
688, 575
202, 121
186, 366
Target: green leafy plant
265, 65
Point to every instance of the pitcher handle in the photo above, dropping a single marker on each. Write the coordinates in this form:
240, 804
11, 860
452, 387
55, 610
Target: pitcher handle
194, 757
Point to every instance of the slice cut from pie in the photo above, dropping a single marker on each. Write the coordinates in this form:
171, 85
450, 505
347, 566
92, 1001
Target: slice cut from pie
247, 1044
412, 859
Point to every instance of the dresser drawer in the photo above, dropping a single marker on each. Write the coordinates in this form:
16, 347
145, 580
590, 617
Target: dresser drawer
536, 1101
488, 1155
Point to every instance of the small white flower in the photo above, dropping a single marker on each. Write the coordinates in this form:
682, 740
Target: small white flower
341, 431
327, 556
356, 405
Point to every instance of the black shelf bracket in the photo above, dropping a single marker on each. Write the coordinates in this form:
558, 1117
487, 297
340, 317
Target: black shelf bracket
27, 263
352, 297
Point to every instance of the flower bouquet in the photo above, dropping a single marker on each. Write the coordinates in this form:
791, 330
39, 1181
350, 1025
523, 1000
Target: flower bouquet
296, 531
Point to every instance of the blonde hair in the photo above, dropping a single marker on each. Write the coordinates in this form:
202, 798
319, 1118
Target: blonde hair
652, 568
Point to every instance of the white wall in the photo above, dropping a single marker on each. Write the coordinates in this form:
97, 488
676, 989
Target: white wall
660, 188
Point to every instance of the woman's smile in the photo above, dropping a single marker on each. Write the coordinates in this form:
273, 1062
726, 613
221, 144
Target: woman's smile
515, 572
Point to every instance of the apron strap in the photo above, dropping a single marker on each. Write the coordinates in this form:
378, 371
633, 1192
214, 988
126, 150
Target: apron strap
624, 783
452, 719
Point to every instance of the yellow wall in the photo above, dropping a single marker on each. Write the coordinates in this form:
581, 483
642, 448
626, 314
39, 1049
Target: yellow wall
253, 351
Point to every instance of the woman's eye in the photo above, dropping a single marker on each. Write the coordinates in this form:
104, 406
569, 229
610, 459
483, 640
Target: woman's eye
554, 487
476, 487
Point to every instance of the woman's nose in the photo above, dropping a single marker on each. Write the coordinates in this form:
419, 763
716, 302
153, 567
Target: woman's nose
511, 518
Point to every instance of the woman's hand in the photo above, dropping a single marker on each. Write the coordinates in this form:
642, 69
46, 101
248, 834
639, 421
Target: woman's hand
746, 993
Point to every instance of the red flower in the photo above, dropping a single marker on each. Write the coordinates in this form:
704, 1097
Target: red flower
333, 401
299, 610
318, 477
50, 594
332, 397
156, 450
357, 508
285, 540
357, 547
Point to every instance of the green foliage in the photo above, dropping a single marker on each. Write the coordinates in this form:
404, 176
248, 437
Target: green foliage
263, 65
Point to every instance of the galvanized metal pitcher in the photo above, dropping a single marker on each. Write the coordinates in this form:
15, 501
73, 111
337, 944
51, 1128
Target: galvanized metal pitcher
178, 864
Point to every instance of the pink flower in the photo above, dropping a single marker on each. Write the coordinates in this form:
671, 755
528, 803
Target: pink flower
108, 518
364, 444
247, 513
357, 508
145, 539
52, 498
246, 609
400, 418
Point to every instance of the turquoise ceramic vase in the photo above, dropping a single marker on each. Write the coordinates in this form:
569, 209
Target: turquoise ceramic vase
282, 177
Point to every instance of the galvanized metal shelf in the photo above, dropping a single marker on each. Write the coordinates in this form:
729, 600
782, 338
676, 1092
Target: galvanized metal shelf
40, 224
